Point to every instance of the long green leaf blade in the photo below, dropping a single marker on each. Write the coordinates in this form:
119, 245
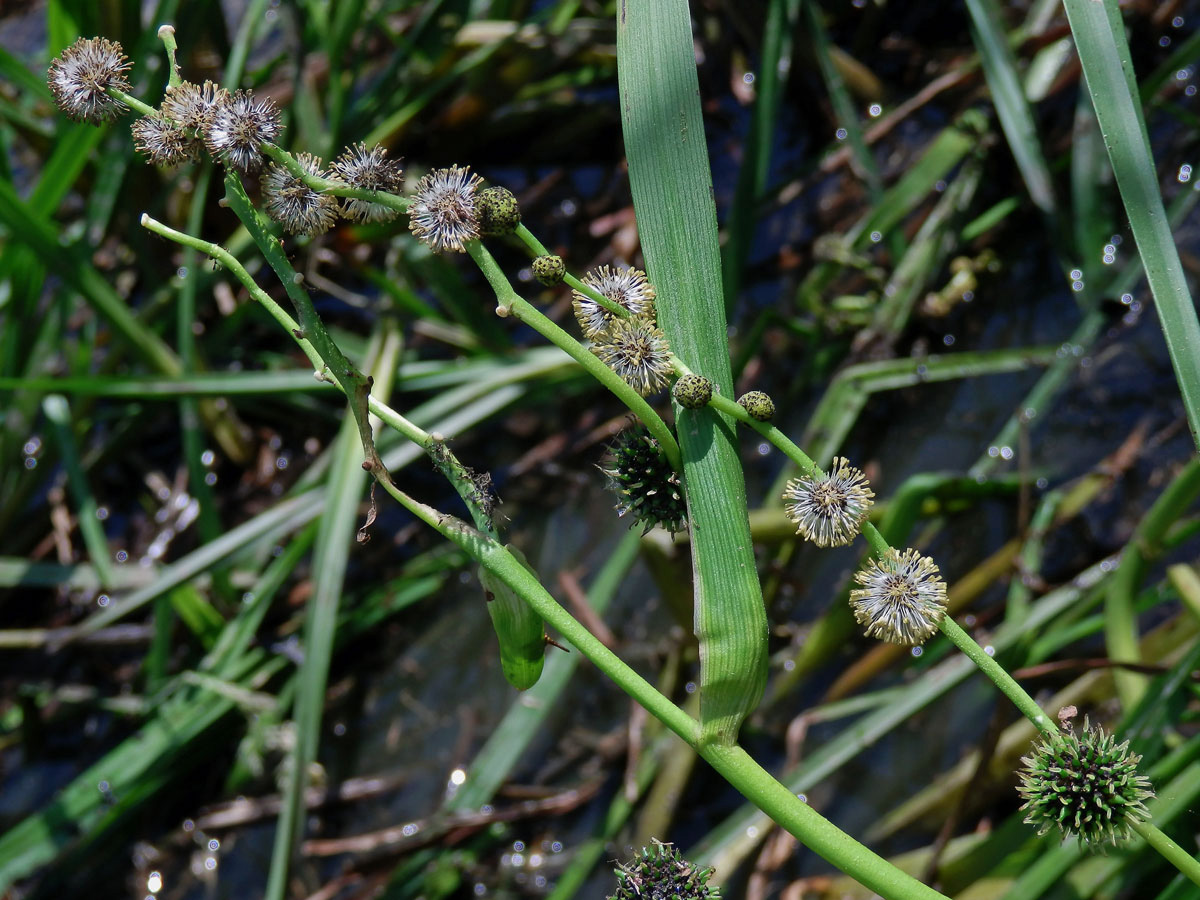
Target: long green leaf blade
1108, 70
677, 221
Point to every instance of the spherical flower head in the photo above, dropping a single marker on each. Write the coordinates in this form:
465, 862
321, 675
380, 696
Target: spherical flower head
549, 270
296, 206
236, 128
1084, 784
692, 391
646, 486
902, 597
659, 871
757, 405
191, 105
79, 79
625, 287
442, 213
499, 212
161, 141
637, 351
370, 170
829, 509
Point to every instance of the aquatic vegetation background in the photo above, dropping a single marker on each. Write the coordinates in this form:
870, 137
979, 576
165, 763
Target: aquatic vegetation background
925, 273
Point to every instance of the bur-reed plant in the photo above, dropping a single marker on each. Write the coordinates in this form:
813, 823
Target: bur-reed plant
647, 331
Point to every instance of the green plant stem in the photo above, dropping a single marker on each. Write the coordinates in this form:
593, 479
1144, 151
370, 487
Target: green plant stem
996, 672
231, 263
879, 544
332, 185
731, 761
1170, 851
769, 431
132, 102
355, 385
433, 445
811, 828
166, 34
527, 237
880, 547
512, 304
536, 248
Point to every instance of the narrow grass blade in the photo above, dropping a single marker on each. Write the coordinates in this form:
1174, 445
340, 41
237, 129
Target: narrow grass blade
1016, 118
335, 537
86, 507
285, 516
20, 572
1091, 188
1107, 67
1121, 626
752, 176
848, 394
37, 233
162, 742
843, 103
206, 384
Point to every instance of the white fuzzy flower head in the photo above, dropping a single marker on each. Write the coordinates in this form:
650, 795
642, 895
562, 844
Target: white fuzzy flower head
829, 509
192, 105
625, 287
442, 212
296, 206
80, 77
161, 141
236, 128
902, 598
370, 170
637, 351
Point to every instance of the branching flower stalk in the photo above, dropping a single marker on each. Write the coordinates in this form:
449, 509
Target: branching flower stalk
746, 776
239, 146
510, 303
733, 763
879, 546
332, 185
458, 474
536, 248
